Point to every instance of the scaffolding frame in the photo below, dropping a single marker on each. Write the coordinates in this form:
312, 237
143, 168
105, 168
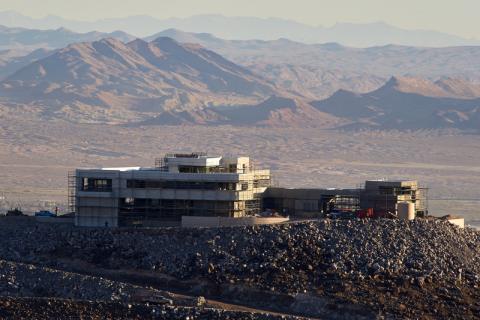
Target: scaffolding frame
245, 203
386, 198
72, 192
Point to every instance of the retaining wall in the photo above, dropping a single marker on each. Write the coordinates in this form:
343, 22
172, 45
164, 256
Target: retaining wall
192, 222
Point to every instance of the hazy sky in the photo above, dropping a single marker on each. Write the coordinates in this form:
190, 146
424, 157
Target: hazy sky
461, 17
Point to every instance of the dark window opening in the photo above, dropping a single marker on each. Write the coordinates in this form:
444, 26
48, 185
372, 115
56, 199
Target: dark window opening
97, 185
191, 185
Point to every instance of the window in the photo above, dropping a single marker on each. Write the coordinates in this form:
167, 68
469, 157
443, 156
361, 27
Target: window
244, 186
192, 169
261, 183
97, 185
186, 185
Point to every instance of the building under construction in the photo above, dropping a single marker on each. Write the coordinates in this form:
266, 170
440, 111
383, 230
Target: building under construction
198, 185
193, 184
379, 196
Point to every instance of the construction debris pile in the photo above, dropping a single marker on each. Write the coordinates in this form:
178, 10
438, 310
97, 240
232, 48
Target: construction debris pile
388, 266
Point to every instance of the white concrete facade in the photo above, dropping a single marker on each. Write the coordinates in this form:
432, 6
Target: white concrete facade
184, 185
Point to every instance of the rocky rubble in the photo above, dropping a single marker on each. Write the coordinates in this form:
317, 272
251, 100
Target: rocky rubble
23, 280
34, 308
393, 267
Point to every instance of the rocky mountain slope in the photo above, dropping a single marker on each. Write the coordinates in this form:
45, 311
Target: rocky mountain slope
13, 60
110, 81
408, 104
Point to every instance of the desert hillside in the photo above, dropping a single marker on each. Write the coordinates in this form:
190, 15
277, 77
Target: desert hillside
110, 81
407, 103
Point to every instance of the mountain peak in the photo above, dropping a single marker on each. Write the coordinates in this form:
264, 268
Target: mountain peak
63, 30
173, 31
109, 41
412, 85
445, 88
136, 43
165, 40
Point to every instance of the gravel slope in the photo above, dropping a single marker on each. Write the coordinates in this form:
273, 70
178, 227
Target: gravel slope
404, 269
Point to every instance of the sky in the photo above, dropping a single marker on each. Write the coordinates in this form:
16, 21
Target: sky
459, 17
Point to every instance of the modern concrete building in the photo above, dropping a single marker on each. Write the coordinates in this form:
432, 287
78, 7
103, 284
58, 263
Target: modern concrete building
381, 196
198, 189
179, 185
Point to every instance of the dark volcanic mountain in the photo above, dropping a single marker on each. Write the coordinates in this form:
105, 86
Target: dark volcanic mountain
109, 81
406, 104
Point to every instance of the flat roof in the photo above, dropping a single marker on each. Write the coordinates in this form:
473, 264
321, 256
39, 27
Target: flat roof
120, 169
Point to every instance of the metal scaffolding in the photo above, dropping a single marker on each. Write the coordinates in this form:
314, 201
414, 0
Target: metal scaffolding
72, 189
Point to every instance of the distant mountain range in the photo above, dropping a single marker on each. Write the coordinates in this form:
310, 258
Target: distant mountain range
160, 81
244, 28
163, 82
314, 71
383, 60
21, 38
318, 70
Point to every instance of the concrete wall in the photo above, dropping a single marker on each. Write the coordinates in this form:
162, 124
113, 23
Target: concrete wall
96, 217
193, 222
